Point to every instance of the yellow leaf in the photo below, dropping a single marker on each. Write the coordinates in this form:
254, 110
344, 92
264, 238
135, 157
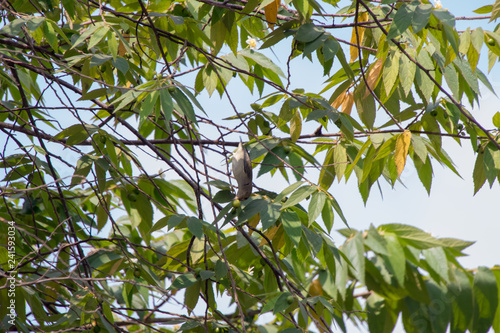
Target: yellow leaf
121, 48
339, 100
270, 233
373, 75
402, 145
315, 289
253, 222
347, 103
271, 12
361, 31
295, 126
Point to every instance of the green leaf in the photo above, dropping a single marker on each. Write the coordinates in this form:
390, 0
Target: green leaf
308, 32
460, 292
262, 60
395, 259
451, 76
484, 9
316, 206
281, 303
195, 225
315, 241
444, 16
495, 11
425, 173
167, 105
327, 173
485, 292
97, 36
83, 167
421, 17
491, 163
295, 126
191, 296
354, 249
327, 217
250, 208
407, 69
391, 71
183, 281
375, 241
220, 269
330, 49
184, 104
205, 275
292, 225
436, 258
402, 20
269, 214
299, 195
467, 73
381, 317
365, 107
496, 119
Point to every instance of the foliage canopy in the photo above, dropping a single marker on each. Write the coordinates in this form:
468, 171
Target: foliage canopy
96, 96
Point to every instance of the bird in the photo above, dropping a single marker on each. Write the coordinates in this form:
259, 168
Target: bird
242, 171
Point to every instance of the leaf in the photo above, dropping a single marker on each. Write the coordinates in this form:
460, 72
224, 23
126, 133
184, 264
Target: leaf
269, 214
354, 249
327, 217
183, 281
421, 17
495, 11
395, 258
407, 69
436, 258
308, 32
330, 49
271, 13
295, 126
102, 212
220, 270
195, 225
191, 296
292, 225
167, 105
347, 103
391, 71
327, 173
365, 106
401, 151
97, 36
262, 60
374, 74
402, 20
185, 106
460, 292
83, 167
444, 16
485, 292
316, 205
299, 195
496, 119
281, 303
381, 317
425, 173
357, 34
484, 9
